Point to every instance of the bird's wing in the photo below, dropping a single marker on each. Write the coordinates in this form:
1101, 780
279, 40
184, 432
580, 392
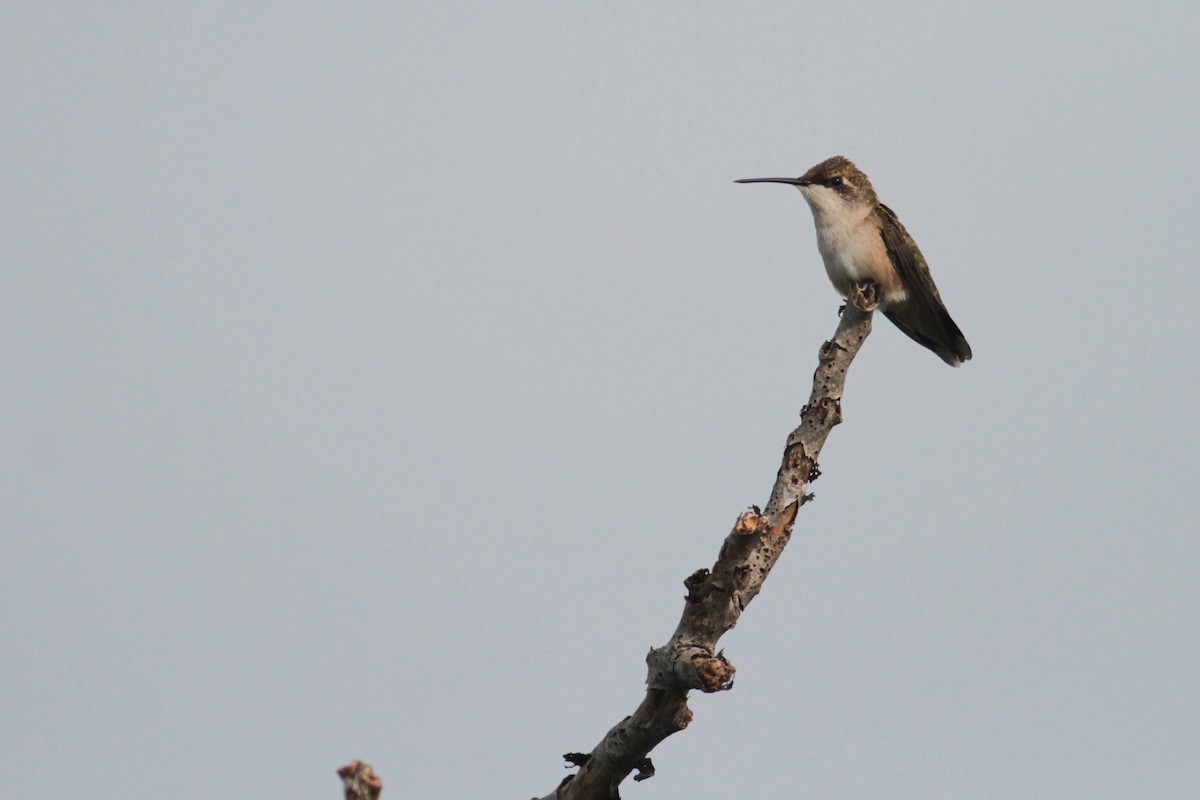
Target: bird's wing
908, 261
937, 331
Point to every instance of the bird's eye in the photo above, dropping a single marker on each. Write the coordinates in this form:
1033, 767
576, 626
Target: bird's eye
835, 181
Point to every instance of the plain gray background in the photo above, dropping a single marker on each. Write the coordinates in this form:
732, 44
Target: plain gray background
374, 374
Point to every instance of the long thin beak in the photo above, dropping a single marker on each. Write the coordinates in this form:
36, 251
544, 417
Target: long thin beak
792, 181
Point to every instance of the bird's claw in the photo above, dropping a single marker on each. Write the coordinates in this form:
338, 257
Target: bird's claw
865, 296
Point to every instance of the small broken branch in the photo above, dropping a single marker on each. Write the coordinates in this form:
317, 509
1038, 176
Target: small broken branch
360, 781
718, 596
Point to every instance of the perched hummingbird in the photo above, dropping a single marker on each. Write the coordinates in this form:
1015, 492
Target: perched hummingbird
861, 240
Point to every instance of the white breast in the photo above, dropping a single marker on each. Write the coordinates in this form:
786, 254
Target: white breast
847, 247
850, 243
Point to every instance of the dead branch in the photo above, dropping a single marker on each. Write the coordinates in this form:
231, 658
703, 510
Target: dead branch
360, 781
717, 597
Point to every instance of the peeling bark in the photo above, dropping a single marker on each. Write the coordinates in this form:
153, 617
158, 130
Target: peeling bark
718, 596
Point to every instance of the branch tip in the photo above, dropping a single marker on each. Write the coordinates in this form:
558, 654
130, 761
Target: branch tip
360, 782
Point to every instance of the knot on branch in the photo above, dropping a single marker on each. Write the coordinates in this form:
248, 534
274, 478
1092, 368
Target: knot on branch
828, 410
698, 585
645, 769
797, 466
714, 673
678, 667
750, 522
829, 350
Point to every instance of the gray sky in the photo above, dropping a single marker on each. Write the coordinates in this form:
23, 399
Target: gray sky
374, 375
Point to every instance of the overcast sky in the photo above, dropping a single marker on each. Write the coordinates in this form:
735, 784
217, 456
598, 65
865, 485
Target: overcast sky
374, 374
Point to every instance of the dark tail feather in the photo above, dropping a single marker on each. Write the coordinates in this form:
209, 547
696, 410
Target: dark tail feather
936, 331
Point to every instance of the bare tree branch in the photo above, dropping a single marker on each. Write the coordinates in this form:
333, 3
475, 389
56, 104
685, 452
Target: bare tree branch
360, 781
716, 597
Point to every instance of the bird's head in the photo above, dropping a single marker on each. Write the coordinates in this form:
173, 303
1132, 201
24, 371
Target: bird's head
832, 188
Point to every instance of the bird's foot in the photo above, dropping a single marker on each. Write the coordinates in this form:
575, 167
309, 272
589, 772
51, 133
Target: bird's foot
865, 296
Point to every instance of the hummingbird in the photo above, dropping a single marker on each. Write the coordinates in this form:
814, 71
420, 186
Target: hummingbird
862, 241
